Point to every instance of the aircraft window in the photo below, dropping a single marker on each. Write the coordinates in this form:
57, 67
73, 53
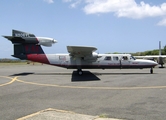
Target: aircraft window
62, 57
115, 58
107, 58
124, 58
132, 58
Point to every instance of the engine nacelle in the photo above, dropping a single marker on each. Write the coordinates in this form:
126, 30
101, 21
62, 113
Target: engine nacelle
46, 41
92, 58
19, 37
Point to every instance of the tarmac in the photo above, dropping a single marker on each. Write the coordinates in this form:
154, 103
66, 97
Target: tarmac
43, 92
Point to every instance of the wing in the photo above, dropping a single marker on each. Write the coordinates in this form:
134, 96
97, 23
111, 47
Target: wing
81, 51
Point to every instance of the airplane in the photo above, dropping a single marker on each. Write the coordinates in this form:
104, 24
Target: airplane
160, 58
28, 47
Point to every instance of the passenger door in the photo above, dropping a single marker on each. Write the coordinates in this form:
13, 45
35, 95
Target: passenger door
64, 60
116, 61
125, 61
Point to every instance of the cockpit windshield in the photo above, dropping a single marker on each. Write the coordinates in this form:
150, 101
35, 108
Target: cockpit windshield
132, 58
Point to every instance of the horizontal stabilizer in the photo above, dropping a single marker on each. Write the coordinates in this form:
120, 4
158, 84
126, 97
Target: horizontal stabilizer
22, 40
21, 37
16, 33
11, 38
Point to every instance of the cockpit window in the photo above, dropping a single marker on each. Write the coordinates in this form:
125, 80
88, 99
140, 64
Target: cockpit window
132, 58
107, 58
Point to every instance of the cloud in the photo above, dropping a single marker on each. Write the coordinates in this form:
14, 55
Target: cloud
49, 1
162, 22
67, 0
124, 8
74, 3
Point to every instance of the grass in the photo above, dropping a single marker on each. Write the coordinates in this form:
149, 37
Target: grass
103, 116
18, 63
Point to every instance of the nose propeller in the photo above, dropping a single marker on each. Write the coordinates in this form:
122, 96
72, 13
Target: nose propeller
54, 41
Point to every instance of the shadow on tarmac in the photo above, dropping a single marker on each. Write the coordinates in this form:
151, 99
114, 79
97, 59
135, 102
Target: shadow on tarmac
87, 76
22, 74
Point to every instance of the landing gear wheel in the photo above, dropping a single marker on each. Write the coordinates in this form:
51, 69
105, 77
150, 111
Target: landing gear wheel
79, 72
151, 70
162, 66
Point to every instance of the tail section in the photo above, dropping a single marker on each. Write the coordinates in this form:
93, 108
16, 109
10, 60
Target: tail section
28, 47
24, 44
160, 59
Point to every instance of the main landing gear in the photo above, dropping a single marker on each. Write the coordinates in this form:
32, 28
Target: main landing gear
151, 70
161, 66
79, 71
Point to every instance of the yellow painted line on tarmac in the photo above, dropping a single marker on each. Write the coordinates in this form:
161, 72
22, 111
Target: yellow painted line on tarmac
66, 115
39, 84
12, 80
29, 116
79, 87
95, 88
46, 110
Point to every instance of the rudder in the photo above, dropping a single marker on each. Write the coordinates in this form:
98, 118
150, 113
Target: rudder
22, 50
24, 43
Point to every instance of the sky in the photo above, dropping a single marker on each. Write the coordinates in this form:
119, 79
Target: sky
124, 26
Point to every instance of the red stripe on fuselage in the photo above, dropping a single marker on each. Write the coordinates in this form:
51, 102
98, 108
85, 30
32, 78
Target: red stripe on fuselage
37, 39
42, 58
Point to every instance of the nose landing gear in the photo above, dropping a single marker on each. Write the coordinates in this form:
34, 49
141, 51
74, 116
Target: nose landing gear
151, 70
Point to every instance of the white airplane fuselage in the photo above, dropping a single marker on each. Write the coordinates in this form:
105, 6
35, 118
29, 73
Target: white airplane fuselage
105, 61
